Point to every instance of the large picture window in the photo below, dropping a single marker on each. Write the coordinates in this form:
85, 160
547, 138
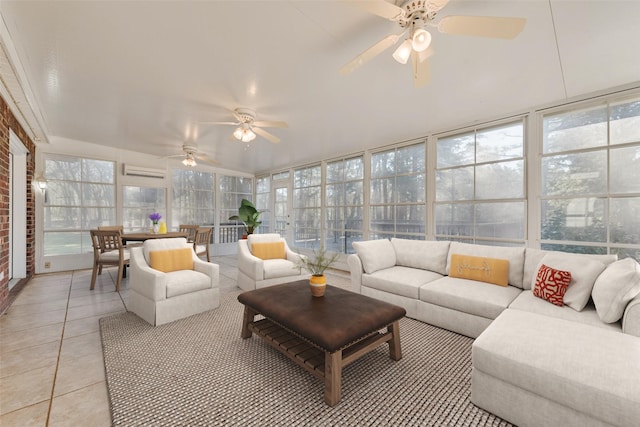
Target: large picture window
193, 197
480, 186
80, 196
138, 203
307, 199
344, 204
397, 201
232, 190
590, 186
263, 200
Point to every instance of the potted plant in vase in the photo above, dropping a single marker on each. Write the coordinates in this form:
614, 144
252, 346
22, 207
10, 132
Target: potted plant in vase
316, 265
248, 215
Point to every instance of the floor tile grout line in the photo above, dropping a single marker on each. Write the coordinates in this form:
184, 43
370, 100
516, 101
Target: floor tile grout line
55, 374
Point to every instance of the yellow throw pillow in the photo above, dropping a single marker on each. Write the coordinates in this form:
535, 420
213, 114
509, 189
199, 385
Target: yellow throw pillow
269, 250
490, 270
171, 259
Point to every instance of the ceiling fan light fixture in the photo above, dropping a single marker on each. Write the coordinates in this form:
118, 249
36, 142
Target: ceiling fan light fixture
421, 40
189, 161
244, 134
403, 52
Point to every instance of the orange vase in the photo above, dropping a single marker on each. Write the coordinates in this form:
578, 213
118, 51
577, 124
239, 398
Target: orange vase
318, 285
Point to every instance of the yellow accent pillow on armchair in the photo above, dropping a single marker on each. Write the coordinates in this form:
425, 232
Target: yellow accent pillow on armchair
171, 259
490, 270
269, 250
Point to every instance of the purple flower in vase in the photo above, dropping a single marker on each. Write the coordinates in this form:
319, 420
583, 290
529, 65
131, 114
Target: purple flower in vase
155, 217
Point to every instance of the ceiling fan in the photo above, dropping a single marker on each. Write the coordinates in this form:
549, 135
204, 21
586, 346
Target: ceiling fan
191, 154
413, 16
248, 126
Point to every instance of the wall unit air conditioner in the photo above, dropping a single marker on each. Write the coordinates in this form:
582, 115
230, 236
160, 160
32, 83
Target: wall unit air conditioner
143, 171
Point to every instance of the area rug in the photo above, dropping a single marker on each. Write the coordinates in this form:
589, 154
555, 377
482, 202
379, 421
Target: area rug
199, 372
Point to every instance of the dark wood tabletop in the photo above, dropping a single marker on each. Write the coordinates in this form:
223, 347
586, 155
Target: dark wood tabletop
141, 237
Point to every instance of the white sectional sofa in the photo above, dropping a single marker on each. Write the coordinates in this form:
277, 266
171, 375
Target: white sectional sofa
534, 363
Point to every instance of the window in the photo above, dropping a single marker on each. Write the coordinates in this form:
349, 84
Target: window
232, 190
480, 186
307, 207
590, 186
193, 197
80, 196
397, 203
138, 203
344, 201
263, 189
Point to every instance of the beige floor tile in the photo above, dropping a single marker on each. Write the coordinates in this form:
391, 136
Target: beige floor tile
79, 346
92, 299
12, 341
26, 359
85, 407
86, 325
79, 372
29, 388
36, 297
31, 416
99, 308
60, 304
12, 322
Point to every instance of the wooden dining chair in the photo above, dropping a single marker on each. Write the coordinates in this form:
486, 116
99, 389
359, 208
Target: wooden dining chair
119, 228
108, 250
202, 241
191, 230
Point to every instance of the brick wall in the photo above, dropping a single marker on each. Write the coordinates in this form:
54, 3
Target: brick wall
8, 121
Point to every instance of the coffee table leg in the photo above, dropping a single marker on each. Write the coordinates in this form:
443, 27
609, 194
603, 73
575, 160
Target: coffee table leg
332, 377
395, 352
248, 317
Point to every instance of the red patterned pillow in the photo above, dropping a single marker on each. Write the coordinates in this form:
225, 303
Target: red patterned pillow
551, 284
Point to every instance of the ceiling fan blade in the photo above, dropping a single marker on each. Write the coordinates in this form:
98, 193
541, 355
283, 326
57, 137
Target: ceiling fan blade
483, 26
204, 159
236, 115
436, 5
220, 123
380, 8
420, 68
271, 124
266, 135
371, 53
177, 156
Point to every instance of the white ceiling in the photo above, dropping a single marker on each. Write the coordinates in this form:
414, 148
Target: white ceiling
140, 75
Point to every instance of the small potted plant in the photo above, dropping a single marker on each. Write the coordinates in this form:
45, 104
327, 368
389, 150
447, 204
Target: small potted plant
316, 265
248, 215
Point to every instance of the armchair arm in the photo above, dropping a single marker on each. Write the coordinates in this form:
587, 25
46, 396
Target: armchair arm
145, 280
631, 318
355, 266
210, 269
247, 263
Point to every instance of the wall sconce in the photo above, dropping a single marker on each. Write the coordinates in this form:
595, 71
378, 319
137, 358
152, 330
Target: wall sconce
42, 182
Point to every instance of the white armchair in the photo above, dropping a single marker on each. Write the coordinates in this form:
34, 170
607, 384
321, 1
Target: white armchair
185, 286
266, 260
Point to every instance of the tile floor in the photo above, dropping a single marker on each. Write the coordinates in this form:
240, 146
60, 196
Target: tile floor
51, 364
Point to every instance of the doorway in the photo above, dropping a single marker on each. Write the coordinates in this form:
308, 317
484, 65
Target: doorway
281, 210
17, 209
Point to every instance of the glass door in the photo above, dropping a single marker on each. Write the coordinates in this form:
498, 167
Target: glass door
281, 217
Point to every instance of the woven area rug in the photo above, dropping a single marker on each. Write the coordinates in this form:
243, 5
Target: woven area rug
198, 371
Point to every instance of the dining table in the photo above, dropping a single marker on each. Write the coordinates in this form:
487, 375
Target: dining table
142, 236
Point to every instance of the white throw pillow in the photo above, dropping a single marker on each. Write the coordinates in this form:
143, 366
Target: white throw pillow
618, 284
422, 254
375, 254
584, 272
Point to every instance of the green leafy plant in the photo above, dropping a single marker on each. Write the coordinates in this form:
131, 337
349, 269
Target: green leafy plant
248, 215
318, 263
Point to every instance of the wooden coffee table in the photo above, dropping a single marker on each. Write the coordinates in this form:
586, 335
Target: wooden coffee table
322, 335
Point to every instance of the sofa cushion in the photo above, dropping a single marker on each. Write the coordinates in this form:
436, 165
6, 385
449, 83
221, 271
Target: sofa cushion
527, 302
171, 259
551, 284
262, 238
423, 254
469, 296
375, 254
515, 255
591, 370
186, 281
489, 270
618, 284
269, 250
279, 268
163, 244
400, 280
584, 272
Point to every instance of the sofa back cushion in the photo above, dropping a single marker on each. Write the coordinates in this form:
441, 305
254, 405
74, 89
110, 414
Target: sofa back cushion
163, 244
262, 238
269, 250
618, 284
169, 260
375, 254
482, 269
515, 256
423, 254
